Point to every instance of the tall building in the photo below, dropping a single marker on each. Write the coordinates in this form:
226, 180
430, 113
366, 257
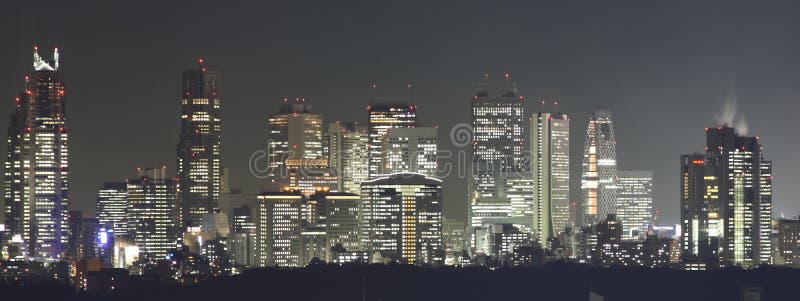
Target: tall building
498, 125
294, 141
348, 155
497, 145
243, 239
383, 116
550, 172
153, 213
409, 150
599, 168
200, 145
37, 166
343, 221
635, 200
727, 201
112, 207
279, 228
402, 216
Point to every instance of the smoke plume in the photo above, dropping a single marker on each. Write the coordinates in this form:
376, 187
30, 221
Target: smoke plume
730, 116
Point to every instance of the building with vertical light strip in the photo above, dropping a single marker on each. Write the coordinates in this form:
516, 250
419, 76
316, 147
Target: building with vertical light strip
200, 145
348, 155
153, 213
279, 229
294, 141
599, 168
635, 199
550, 173
402, 217
37, 168
383, 116
409, 150
727, 215
112, 207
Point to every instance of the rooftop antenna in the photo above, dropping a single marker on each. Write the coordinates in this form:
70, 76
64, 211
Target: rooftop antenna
555, 105
542, 102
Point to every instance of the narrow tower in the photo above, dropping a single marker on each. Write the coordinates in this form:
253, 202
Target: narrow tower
599, 173
36, 167
200, 145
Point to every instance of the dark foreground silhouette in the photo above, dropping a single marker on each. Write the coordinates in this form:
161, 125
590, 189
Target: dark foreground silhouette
396, 282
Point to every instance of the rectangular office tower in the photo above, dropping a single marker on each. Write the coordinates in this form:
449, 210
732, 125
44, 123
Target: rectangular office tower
635, 202
726, 201
279, 228
294, 141
383, 116
342, 222
550, 171
153, 213
496, 139
200, 145
37, 166
402, 218
348, 155
112, 207
409, 150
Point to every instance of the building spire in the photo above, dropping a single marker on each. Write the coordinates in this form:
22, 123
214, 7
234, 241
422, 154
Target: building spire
39, 63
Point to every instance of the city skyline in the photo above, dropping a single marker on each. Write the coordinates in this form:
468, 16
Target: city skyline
697, 109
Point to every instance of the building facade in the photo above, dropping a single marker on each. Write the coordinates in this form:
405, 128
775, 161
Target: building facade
384, 115
112, 207
409, 150
726, 205
37, 163
402, 217
348, 155
550, 172
200, 145
279, 228
497, 145
343, 222
599, 168
635, 199
153, 213
294, 141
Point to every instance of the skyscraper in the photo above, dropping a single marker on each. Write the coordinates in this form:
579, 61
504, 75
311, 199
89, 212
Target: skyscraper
294, 141
409, 150
153, 212
37, 166
279, 228
599, 168
402, 217
348, 155
497, 146
383, 116
343, 221
726, 205
112, 207
497, 125
635, 202
550, 169
200, 145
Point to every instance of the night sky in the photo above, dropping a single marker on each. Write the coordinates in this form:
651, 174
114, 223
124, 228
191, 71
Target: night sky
666, 70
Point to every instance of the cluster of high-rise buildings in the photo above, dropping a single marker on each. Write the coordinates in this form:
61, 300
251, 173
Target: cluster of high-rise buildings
372, 192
